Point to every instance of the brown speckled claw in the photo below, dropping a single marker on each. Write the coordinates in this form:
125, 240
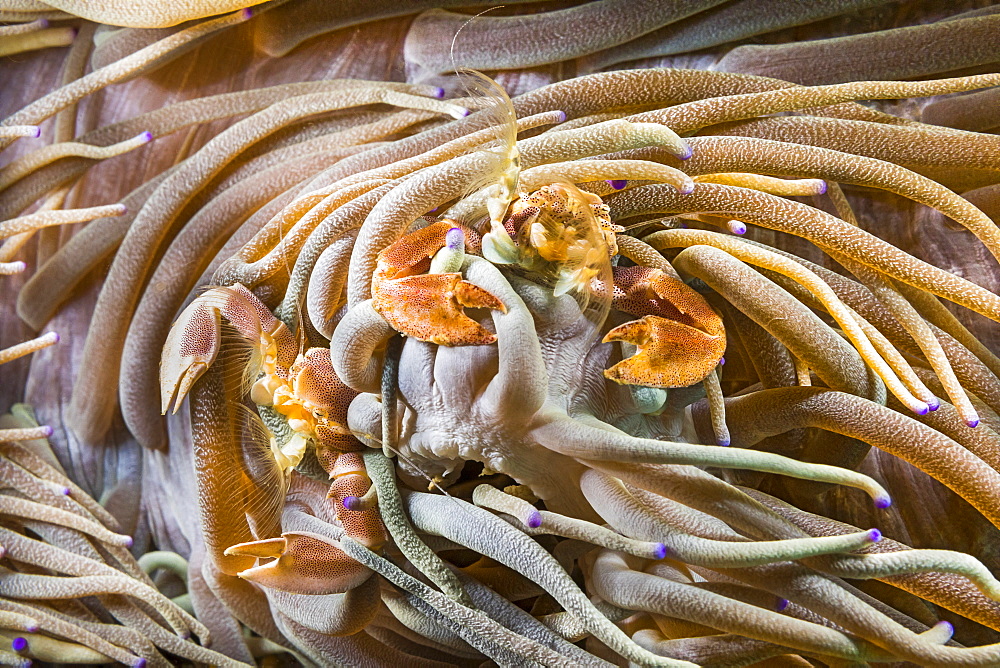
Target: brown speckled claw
304, 563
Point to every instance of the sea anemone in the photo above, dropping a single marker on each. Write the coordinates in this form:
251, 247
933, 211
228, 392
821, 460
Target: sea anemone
579, 487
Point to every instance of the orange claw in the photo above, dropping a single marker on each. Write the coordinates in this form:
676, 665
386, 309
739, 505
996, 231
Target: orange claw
680, 338
428, 307
304, 563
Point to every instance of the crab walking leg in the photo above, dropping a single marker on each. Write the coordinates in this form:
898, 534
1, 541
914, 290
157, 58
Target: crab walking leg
487, 534
937, 455
821, 228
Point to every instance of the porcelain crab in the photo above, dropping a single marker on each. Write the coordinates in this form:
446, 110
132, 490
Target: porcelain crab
304, 407
564, 237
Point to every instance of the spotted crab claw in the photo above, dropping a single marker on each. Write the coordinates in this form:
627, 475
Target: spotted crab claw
194, 339
680, 339
429, 306
303, 563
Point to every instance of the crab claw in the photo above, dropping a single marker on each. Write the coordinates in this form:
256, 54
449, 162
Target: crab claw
671, 354
182, 363
194, 339
304, 563
428, 307
680, 338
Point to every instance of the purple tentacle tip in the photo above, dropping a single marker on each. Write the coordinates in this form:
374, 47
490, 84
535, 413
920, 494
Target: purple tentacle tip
140, 663
55, 335
66, 491
618, 184
882, 502
246, 13
934, 403
466, 112
973, 423
19, 644
129, 542
686, 189
660, 551
31, 628
147, 136
722, 361
47, 430
439, 92
534, 520
561, 118
38, 131
875, 535
921, 408
686, 155
724, 442
781, 605
739, 228
352, 502
455, 239
944, 624
822, 189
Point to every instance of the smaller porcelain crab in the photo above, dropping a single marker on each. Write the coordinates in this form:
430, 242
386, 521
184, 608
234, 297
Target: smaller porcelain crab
564, 237
304, 405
